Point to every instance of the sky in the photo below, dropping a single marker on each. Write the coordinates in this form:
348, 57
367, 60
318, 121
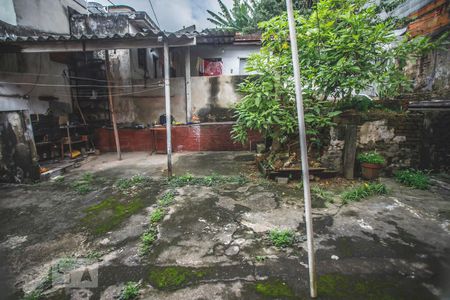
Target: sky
174, 14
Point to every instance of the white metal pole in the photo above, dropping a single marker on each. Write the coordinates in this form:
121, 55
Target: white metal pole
188, 85
168, 110
303, 150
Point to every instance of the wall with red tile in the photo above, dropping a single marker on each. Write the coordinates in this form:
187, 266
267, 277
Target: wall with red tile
196, 137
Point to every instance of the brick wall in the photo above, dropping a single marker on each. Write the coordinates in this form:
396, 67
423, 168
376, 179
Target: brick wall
198, 137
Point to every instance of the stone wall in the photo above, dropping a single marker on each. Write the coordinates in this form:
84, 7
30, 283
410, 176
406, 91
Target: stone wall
397, 136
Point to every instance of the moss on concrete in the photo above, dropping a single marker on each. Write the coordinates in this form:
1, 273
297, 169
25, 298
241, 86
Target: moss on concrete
170, 278
274, 289
350, 287
109, 213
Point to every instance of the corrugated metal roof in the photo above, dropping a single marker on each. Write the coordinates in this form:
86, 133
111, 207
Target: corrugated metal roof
63, 37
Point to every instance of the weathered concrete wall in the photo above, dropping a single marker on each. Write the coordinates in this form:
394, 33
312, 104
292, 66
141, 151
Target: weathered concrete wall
212, 100
24, 73
397, 136
99, 24
431, 75
18, 157
46, 15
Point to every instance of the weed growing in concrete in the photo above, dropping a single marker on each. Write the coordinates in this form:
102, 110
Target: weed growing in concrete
147, 239
168, 278
157, 215
136, 181
322, 194
34, 295
167, 199
413, 178
211, 180
281, 238
130, 291
363, 191
260, 258
94, 255
84, 185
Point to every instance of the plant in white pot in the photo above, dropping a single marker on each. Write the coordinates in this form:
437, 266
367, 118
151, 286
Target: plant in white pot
371, 164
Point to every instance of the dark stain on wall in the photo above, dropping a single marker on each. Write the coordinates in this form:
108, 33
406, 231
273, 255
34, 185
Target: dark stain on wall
17, 161
213, 111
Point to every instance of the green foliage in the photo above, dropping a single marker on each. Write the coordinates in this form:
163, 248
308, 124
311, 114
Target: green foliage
130, 291
413, 178
34, 295
124, 184
157, 215
281, 238
344, 48
363, 191
371, 157
84, 185
167, 199
211, 180
147, 239
359, 103
239, 18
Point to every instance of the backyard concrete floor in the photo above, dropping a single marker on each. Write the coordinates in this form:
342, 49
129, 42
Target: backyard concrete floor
213, 241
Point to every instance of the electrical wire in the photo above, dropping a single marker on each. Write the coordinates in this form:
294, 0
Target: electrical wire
81, 85
55, 75
106, 95
156, 17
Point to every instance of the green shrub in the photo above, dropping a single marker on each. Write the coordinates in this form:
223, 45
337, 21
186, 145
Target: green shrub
322, 194
371, 157
157, 215
363, 191
360, 103
130, 291
281, 238
413, 178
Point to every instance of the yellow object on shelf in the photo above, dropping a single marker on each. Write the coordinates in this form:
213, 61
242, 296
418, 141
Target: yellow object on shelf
75, 154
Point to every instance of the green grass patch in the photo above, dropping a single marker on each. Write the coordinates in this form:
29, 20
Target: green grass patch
170, 278
413, 178
281, 238
147, 239
274, 289
363, 191
110, 213
167, 199
157, 215
85, 184
321, 196
211, 180
136, 181
130, 291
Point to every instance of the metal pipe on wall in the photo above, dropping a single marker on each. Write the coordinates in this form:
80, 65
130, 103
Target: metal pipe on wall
111, 105
168, 109
303, 150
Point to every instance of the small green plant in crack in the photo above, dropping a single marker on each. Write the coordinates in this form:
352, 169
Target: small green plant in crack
322, 194
84, 185
260, 258
136, 181
282, 238
94, 255
157, 215
130, 291
167, 199
147, 239
34, 295
413, 178
363, 191
210, 180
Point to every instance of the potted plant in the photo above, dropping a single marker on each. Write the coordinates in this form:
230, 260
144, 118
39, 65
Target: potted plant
371, 164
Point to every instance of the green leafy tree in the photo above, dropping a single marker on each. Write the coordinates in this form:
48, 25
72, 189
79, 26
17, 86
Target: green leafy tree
344, 48
239, 18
